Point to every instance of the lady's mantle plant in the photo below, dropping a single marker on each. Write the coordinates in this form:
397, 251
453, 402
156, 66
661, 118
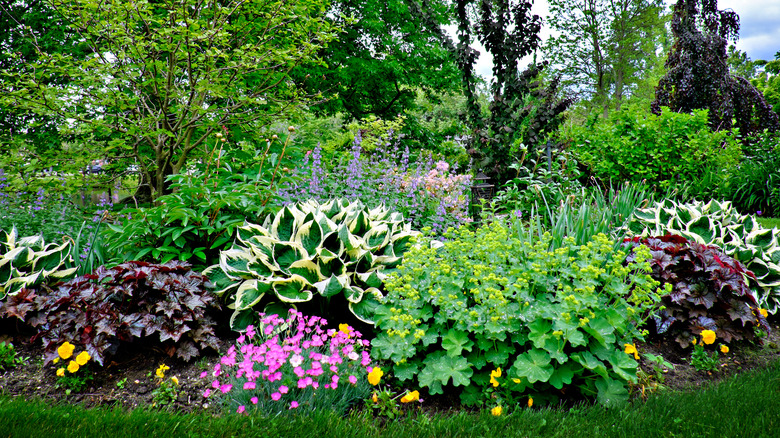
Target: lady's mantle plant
311, 251
552, 320
292, 364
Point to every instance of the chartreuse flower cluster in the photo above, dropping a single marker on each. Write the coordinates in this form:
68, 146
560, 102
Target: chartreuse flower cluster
68, 376
552, 319
293, 364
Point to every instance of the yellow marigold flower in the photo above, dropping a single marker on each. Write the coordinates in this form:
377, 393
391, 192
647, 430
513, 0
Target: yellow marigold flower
410, 397
497, 411
724, 349
66, 350
161, 371
175, 380
493, 374
530, 402
763, 312
73, 366
83, 358
375, 376
708, 336
61, 372
631, 349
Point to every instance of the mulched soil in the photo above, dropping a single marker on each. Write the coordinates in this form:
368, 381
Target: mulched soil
128, 379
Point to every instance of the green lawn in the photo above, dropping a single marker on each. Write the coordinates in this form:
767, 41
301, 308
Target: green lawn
744, 406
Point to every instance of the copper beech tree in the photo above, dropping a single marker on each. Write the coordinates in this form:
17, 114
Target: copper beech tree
698, 74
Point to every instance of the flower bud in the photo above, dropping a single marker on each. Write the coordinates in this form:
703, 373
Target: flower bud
291, 128
219, 135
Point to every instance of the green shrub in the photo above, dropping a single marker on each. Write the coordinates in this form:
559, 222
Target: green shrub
708, 291
553, 320
719, 224
28, 262
199, 217
635, 145
311, 251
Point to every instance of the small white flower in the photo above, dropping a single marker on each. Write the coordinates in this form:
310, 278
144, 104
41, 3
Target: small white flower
296, 360
353, 355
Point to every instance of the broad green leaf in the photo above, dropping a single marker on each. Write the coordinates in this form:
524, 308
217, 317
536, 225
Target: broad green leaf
601, 331
249, 293
440, 368
562, 376
331, 285
455, 341
292, 290
309, 236
534, 365
306, 269
611, 393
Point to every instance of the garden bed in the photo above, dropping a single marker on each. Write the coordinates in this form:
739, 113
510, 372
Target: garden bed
128, 380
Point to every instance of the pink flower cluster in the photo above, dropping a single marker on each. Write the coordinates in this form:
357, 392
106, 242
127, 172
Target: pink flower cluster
284, 357
439, 183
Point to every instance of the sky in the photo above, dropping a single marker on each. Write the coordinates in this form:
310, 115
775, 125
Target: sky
759, 34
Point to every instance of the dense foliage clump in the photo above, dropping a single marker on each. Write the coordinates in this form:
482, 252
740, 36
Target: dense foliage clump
698, 75
123, 304
493, 299
708, 290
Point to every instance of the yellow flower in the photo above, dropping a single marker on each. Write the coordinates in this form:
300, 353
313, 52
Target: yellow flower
374, 398
410, 397
516, 380
175, 380
56, 360
375, 375
61, 372
530, 402
344, 328
694, 341
83, 358
493, 374
724, 349
66, 350
763, 312
708, 336
73, 366
497, 411
161, 371
631, 349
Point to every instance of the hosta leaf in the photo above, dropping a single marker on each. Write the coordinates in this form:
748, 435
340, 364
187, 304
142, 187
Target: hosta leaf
309, 236
702, 229
306, 269
249, 293
292, 290
241, 319
372, 279
246, 232
354, 294
283, 225
377, 237
234, 263
333, 267
534, 365
285, 254
331, 285
367, 307
360, 224
349, 240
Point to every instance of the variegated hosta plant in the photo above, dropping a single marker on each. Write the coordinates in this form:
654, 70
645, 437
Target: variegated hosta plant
718, 223
29, 262
310, 251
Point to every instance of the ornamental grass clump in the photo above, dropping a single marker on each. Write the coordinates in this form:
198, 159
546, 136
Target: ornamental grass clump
292, 364
553, 320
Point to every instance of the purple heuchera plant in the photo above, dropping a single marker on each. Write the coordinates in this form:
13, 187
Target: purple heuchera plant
292, 363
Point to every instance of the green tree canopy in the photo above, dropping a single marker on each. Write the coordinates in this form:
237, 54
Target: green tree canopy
161, 75
604, 47
382, 57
